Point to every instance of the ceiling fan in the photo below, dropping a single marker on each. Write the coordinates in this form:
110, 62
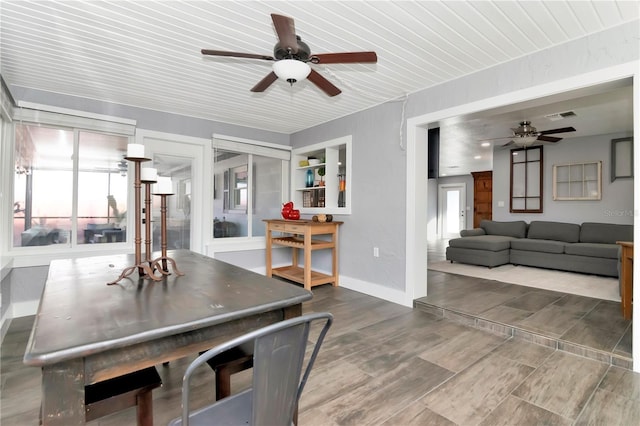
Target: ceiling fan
526, 135
292, 55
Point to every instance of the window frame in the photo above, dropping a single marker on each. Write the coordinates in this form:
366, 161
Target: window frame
526, 196
27, 113
251, 148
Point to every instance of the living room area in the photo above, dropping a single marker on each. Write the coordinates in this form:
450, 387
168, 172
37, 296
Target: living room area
576, 309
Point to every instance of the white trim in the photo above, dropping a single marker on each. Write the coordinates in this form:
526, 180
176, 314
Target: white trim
24, 309
442, 189
248, 148
6, 318
416, 265
170, 137
251, 142
198, 151
234, 244
364, 287
375, 290
342, 140
76, 113
6, 265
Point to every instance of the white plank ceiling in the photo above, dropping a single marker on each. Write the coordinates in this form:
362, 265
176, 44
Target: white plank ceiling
147, 53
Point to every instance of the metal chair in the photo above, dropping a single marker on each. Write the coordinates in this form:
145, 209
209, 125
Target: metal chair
279, 352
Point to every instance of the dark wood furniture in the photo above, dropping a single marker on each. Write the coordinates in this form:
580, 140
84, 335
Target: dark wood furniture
289, 231
626, 279
131, 390
86, 332
482, 197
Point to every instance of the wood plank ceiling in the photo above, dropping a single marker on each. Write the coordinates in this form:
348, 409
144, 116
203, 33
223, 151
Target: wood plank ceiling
147, 53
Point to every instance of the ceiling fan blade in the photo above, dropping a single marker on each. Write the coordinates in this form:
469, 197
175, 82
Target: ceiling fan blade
236, 54
561, 130
345, 58
265, 82
325, 85
548, 138
509, 143
286, 30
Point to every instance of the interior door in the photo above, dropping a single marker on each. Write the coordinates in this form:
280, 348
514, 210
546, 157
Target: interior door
452, 209
482, 197
183, 163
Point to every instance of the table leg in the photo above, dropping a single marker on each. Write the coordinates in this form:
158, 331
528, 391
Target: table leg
63, 394
627, 283
268, 259
334, 255
307, 258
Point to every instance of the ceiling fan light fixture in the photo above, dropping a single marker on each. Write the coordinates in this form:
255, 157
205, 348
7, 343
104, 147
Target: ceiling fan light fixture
291, 70
525, 140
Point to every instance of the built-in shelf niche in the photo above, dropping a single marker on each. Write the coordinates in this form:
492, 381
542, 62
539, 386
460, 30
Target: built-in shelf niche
328, 198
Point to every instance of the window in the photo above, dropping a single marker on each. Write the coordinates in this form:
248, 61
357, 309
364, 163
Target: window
249, 185
69, 187
577, 181
526, 180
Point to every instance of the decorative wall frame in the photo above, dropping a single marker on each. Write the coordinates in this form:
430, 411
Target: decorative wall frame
577, 181
526, 185
621, 158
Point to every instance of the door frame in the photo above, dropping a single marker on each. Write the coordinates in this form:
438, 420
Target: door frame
442, 189
199, 151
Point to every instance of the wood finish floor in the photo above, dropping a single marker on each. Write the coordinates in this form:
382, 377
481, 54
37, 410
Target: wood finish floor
384, 364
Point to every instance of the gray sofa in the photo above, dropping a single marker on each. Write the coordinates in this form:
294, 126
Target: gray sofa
588, 248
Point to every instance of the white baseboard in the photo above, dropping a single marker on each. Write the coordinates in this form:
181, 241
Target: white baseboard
365, 287
24, 309
375, 290
4, 324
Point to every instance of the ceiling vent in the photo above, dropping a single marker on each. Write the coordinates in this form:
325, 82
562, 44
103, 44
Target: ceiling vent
560, 115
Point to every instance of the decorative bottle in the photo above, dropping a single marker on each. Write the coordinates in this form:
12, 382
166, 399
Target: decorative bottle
310, 176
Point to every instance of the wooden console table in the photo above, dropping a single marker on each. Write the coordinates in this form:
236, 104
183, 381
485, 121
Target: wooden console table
290, 230
626, 279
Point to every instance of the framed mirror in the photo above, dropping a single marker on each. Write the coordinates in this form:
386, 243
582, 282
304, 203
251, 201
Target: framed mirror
621, 158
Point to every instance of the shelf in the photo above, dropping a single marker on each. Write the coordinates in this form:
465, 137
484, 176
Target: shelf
296, 273
298, 243
311, 188
315, 166
328, 199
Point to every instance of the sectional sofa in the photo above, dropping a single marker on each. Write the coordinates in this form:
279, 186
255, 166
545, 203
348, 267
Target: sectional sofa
588, 248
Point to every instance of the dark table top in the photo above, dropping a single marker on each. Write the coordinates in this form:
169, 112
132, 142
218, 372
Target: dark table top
79, 314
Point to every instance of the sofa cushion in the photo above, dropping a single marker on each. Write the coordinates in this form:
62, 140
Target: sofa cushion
516, 229
483, 242
609, 251
472, 232
606, 233
557, 231
547, 246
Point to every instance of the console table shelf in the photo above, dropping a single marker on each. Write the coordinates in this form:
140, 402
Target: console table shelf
305, 228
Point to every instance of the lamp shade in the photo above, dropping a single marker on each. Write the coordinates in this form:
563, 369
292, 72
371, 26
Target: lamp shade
525, 141
291, 70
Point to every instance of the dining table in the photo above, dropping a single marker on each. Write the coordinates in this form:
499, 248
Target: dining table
86, 331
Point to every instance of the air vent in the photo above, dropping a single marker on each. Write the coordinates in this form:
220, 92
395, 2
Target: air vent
560, 115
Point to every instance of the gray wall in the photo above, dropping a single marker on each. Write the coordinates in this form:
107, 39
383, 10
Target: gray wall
616, 205
377, 194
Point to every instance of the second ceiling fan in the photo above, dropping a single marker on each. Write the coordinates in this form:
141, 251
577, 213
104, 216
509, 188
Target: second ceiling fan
292, 55
526, 135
